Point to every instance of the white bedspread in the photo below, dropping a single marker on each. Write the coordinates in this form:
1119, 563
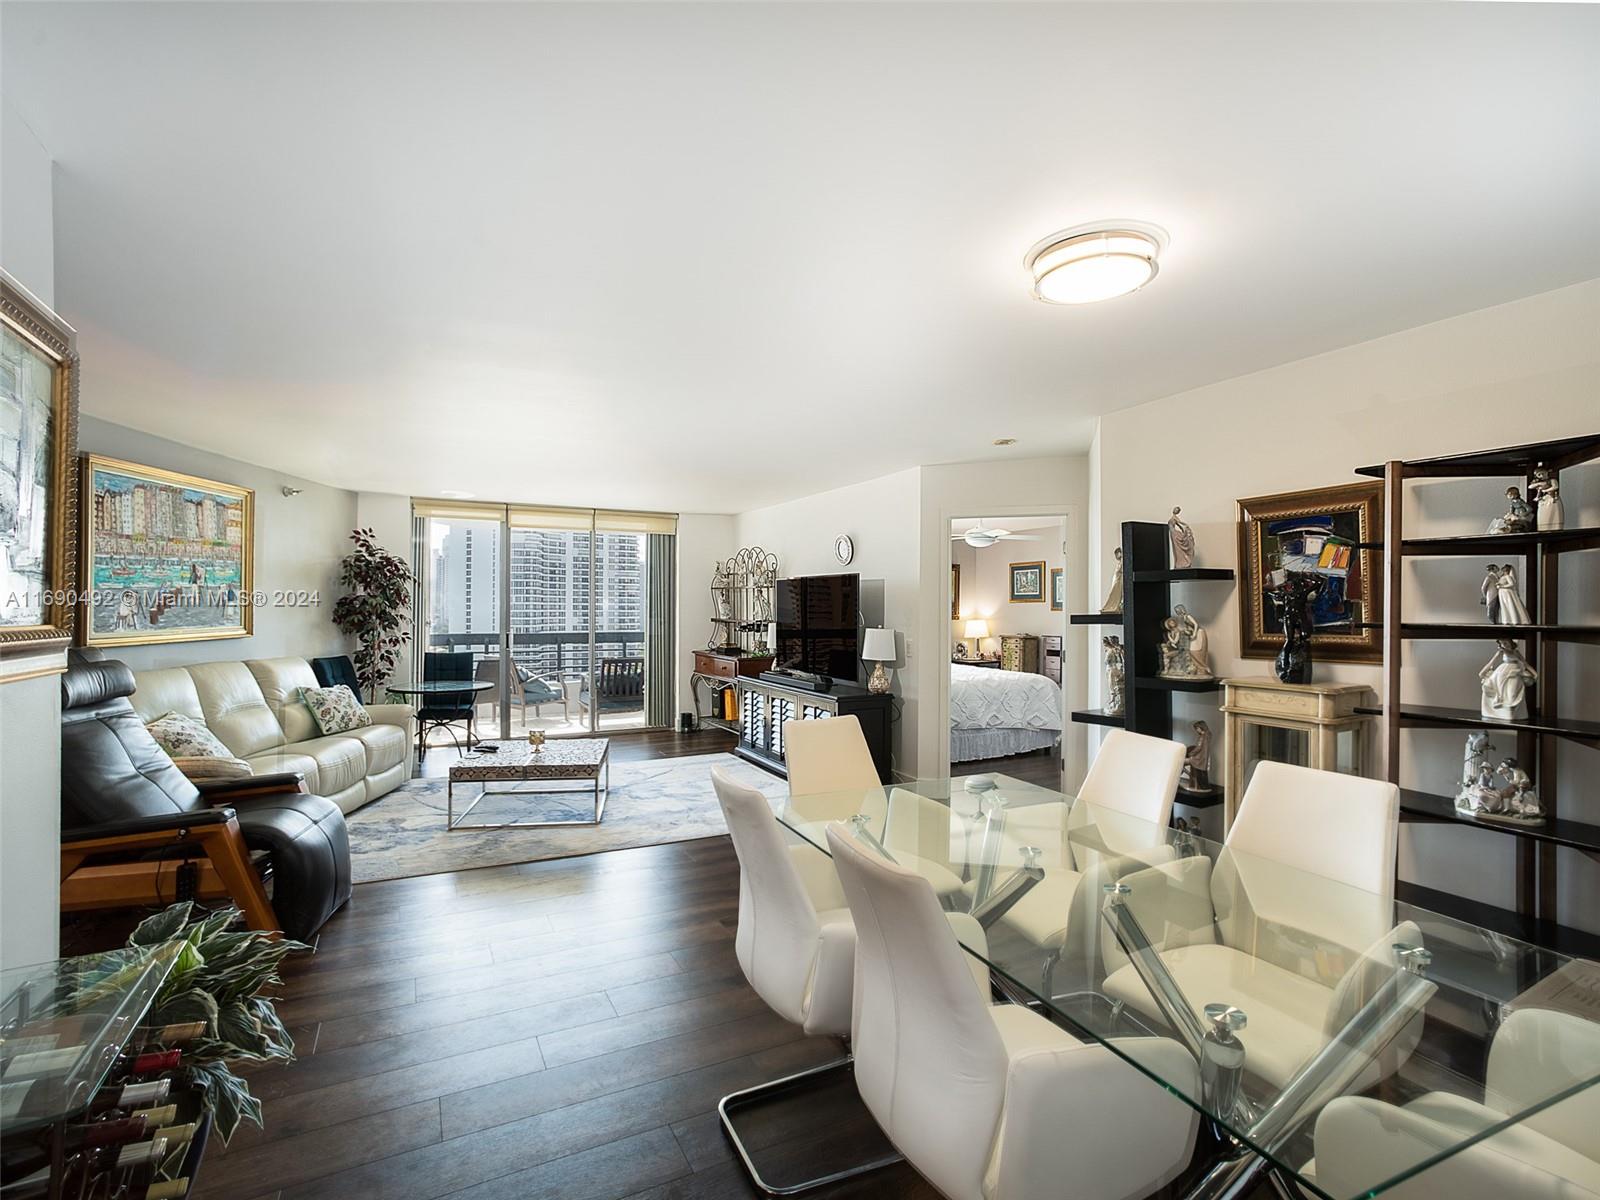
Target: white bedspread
986, 698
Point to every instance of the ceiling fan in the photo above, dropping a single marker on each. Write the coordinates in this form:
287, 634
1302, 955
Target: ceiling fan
980, 535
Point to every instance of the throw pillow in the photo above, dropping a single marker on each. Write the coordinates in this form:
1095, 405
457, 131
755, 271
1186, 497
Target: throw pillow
206, 767
335, 709
181, 736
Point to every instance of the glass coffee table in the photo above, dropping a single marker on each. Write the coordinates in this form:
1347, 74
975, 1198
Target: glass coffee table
524, 769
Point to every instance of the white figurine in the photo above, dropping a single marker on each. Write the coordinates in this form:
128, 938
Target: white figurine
1545, 490
1518, 517
1509, 609
1113, 602
1182, 539
1116, 690
1185, 647
1196, 773
1473, 761
1518, 799
1505, 679
1489, 592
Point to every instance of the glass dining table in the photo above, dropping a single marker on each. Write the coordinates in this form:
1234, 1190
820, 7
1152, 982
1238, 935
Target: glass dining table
1348, 1044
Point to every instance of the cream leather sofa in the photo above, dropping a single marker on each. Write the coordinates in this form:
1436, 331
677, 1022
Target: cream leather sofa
254, 708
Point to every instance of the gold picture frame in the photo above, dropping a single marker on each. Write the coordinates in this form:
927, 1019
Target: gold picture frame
1342, 524
955, 591
195, 584
38, 517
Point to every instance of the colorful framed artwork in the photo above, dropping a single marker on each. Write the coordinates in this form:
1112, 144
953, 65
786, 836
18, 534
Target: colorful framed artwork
1027, 583
1058, 588
955, 591
38, 474
1329, 532
166, 557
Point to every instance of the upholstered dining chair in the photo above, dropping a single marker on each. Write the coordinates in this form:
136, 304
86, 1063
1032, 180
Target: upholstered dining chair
1306, 875
795, 944
993, 1102
442, 710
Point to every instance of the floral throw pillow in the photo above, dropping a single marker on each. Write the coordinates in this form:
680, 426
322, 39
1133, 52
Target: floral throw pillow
181, 736
335, 709
208, 767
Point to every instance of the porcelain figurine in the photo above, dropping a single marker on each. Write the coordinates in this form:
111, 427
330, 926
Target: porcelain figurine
1489, 592
1505, 679
1182, 539
1518, 517
1517, 796
1113, 602
1474, 758
1545, 491
1196, 773
1509, 608
1185, 647
1116, 690
1291, 600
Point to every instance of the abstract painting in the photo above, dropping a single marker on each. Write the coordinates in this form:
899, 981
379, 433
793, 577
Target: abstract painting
167, 557
1027, 583
1329, 532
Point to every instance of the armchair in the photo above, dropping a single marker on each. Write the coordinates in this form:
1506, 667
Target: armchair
127, 811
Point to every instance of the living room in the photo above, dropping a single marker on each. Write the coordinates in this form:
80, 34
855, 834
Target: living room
476, 477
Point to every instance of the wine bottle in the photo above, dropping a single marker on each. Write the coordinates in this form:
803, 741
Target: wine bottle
32, 1064
176, 1034
168, 1189
90, 1137
18, 1098
157, 1117
139, 1155
178, 1135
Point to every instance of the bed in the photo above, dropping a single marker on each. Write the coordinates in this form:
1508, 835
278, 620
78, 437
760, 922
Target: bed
994, 714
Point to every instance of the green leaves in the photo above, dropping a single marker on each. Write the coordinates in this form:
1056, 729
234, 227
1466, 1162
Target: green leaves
225, 1096
376, 612
162, 927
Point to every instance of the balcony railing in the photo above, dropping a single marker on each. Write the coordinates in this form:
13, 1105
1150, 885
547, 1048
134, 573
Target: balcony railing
561, 654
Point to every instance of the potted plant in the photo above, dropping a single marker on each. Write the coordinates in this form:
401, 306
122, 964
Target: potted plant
376, 611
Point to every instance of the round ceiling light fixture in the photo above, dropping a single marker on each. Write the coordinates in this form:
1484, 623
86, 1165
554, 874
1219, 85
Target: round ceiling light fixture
1097, 261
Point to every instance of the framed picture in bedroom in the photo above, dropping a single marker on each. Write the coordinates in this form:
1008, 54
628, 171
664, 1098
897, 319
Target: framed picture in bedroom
1322, 531
166, 557
955, 591
38, 474
1027, 583
1058, 588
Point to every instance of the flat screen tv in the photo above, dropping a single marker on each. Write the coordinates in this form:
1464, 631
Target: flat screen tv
819, 625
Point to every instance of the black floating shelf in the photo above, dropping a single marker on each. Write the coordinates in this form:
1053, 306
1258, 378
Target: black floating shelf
1097, 716
1177, 685
1430, 807
1464, 631
1491, 544
1423, 715
1095, 618
1561, 938
1182, 574
1200, 797
1509, 460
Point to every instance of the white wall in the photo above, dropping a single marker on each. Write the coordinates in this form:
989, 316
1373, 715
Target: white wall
298, 543
1516, 373
986, 590
389, 518
30, 700
703, 539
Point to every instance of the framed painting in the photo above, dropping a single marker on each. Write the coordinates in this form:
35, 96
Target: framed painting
1027, 583
1327, 532
166, 557
955, 591
38, 474
1058, 588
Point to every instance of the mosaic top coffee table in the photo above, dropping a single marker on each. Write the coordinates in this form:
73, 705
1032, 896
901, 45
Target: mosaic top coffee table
559, 760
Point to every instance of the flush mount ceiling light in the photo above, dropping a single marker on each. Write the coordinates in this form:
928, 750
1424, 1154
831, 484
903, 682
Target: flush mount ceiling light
450, 494
1095, 262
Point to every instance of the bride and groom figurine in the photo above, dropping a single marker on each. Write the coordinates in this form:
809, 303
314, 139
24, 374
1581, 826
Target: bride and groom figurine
1185, 647
1499, 596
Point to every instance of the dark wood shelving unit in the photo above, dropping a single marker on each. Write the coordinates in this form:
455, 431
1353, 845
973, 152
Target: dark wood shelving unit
1201, 797
1181, 574
1095, 618
1539, 735
1156, 683
1097, 716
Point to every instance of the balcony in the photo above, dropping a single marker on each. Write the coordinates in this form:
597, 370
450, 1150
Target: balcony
562, 659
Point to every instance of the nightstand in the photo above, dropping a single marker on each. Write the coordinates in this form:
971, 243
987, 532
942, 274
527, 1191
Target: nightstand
978, 662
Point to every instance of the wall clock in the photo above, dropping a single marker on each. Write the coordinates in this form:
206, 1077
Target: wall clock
844, 549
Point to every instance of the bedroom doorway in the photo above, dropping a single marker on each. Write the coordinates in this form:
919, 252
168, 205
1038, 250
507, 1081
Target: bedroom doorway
1008, 638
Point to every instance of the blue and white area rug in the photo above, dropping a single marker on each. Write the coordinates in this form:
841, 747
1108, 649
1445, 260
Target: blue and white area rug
650, 803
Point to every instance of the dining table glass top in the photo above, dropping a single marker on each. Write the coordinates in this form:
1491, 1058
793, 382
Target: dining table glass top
1351, 1040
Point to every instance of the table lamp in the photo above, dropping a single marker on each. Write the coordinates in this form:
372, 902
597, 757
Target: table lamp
878, 647
977, 630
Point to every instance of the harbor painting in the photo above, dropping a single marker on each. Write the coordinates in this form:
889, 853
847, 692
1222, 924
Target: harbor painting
167, 557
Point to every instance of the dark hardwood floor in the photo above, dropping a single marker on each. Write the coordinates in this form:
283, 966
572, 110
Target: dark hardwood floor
1041, 768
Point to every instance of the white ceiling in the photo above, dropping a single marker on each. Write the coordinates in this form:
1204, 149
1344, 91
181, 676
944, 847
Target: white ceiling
705, 257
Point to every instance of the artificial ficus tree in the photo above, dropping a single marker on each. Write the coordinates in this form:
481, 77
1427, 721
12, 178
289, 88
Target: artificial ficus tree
376, 609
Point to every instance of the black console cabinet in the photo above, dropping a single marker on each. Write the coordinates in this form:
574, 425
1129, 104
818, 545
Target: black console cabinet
765, 706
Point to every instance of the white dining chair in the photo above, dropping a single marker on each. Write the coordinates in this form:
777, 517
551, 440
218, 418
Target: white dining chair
1290, 922
993, 1102
795, 943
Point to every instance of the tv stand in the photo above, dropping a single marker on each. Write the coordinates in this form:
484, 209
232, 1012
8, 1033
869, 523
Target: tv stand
765, 705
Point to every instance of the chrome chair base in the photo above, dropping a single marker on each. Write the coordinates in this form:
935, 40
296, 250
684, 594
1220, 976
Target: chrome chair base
766, 1091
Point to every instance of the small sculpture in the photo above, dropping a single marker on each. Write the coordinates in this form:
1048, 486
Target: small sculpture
1518, 799
1182, 539
1291, 600
1508, 608
1505, 679
1185, 648
1116, 691
1489, 592
1518, 517
1473, 762
1544, 489
1196, 773
1114, 596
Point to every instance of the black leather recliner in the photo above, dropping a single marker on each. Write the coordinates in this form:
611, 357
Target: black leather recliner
116, 780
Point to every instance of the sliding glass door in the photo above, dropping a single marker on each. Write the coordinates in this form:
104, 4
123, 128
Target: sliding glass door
584, 612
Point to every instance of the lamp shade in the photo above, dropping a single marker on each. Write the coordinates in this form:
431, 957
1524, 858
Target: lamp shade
977, 629
878, 645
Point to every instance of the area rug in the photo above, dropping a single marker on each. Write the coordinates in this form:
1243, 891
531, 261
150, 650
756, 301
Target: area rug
650, 803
